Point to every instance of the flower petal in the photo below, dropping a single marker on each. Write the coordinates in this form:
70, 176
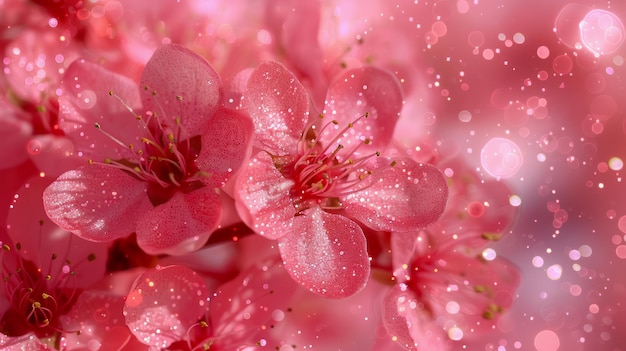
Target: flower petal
40, 239
262, 198
96, 314
409, 322
86, 101
52, 154
21, 343
367, 90
180, 225
486, 289
242, 307
401, 198
326, 253
163, 303
225, 146
279, 107
178, 83
97, 203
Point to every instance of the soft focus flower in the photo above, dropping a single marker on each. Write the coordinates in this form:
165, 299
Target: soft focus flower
34, 62
172, 308
313, 176
25, 342
449, 286
156, 173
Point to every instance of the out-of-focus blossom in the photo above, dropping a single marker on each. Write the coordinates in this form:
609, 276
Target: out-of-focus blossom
21, 343
314, 175
33, 64
156, 173
449, 286
171, 308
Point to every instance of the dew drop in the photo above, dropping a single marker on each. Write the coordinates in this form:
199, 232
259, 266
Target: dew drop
86, 99
33, 147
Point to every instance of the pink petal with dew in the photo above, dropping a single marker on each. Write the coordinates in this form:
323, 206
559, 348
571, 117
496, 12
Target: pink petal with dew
400, 198
354, 94
263, 200
14, 135
28, 342
86, 101
410, 324
98, 317
326, 253
181, 225
164, 303
279, 107
97, 203
243, 307
40, 239
52, 154
225, 145
178, 83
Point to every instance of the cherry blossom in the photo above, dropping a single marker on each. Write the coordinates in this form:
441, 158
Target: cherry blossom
44, 269
448, 287
171, 307
156, 173
315, 176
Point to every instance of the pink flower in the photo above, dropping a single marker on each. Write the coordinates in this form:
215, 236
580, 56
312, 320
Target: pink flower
172, 308
34, 63
449, 286
98, 318
315, 178
44, 268
156, 173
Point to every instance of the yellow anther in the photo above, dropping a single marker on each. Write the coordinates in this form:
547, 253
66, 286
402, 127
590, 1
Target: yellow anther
97, 125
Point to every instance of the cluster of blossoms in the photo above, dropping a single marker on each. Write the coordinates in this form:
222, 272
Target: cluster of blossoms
189, 177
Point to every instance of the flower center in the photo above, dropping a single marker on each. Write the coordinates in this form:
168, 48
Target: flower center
36, 298
166, 159
325, 173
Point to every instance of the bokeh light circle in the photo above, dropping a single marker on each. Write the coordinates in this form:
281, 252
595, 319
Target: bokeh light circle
501, 158
601, 32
